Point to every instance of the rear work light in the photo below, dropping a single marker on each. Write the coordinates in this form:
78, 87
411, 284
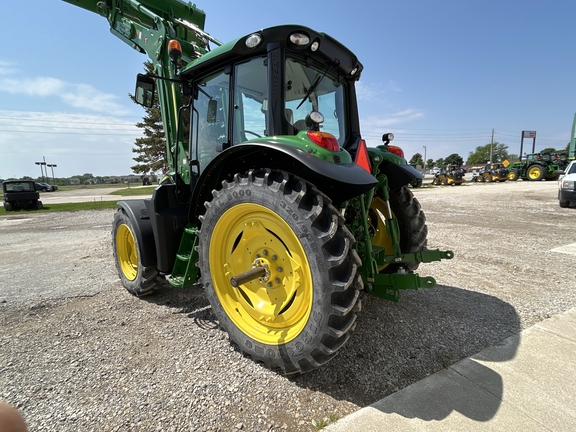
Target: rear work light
324, 140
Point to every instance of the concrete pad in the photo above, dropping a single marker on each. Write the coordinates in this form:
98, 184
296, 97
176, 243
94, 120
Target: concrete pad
539, 381
569, 249
528, 382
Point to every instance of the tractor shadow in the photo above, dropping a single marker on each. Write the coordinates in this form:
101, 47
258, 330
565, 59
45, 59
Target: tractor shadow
188, 301
397, 344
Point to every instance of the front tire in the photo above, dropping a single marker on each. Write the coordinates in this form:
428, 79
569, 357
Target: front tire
301, 312
136, 278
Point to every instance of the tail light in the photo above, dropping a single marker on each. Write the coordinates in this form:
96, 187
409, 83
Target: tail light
396, 150
362, 158
324, 140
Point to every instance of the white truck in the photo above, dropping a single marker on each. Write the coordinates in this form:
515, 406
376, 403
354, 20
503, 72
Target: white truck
566, 183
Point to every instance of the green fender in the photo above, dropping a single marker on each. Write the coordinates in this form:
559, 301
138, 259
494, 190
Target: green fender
340, 181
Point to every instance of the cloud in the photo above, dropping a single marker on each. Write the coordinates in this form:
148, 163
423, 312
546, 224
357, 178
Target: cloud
77, 143
378, 122
368, 92
76, 95
7, 68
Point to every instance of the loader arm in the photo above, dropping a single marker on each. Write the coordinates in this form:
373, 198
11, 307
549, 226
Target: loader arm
147, 26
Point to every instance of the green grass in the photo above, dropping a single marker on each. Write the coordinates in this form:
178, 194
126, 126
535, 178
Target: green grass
146, 190
93, 205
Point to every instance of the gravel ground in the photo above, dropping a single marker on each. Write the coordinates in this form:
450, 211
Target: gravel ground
78, 353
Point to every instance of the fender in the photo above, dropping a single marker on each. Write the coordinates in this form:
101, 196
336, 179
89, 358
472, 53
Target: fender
398, 175
339, 181
138, 214
394, 167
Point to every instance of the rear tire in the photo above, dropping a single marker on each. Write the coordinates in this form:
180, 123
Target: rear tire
136, 278
296, 317
536, 172
413, 231
8, 206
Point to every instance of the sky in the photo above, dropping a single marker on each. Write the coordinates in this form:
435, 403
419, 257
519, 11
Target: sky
439, 74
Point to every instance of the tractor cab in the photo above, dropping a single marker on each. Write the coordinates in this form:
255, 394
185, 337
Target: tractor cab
286, 86
282, 97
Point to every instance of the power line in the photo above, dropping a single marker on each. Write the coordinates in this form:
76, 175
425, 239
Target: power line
69, 133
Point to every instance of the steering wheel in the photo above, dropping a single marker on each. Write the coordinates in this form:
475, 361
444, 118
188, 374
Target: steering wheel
244, 131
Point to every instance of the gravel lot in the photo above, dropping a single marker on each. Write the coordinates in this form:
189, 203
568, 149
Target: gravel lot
78, 353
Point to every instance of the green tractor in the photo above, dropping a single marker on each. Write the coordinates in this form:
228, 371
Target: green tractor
537, 166
272, 202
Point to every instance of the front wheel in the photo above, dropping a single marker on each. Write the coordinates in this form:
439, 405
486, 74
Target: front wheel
136, 278
300, 304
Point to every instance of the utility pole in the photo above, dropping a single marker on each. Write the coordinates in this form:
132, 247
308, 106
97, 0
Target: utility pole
41, 170
52, 166
491, 144
424, 172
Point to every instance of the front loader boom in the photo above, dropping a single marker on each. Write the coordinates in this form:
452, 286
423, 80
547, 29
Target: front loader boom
147, 26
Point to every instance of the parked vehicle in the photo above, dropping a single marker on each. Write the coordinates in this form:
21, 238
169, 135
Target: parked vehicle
566, 185
273, 201
43, 187
537, 166
492, 172
21, 194
449, 174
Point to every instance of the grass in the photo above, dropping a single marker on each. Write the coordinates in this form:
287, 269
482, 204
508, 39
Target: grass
135, 191
90, 205
322, 423
68, 207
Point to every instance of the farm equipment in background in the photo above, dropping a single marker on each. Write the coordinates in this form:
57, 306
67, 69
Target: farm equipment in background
450, 174
21, 194
537, 166
272, 200
492, 172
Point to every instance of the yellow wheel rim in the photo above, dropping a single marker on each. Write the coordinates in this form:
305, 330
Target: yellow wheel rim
272, 309
534, 173
381, 238
126, 252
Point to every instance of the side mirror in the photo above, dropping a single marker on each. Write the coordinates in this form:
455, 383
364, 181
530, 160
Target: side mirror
212, 111
145, 88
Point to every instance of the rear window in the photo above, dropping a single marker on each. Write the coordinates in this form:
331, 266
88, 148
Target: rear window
19, 187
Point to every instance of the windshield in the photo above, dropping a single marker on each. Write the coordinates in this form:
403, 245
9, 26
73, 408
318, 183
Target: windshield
326, 95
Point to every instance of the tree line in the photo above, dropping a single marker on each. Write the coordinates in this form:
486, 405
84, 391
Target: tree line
497, 152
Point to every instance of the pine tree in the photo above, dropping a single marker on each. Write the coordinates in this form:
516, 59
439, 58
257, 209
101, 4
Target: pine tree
150, 149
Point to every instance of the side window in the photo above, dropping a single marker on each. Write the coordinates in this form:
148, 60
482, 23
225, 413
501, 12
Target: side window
250, 100
210, 114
